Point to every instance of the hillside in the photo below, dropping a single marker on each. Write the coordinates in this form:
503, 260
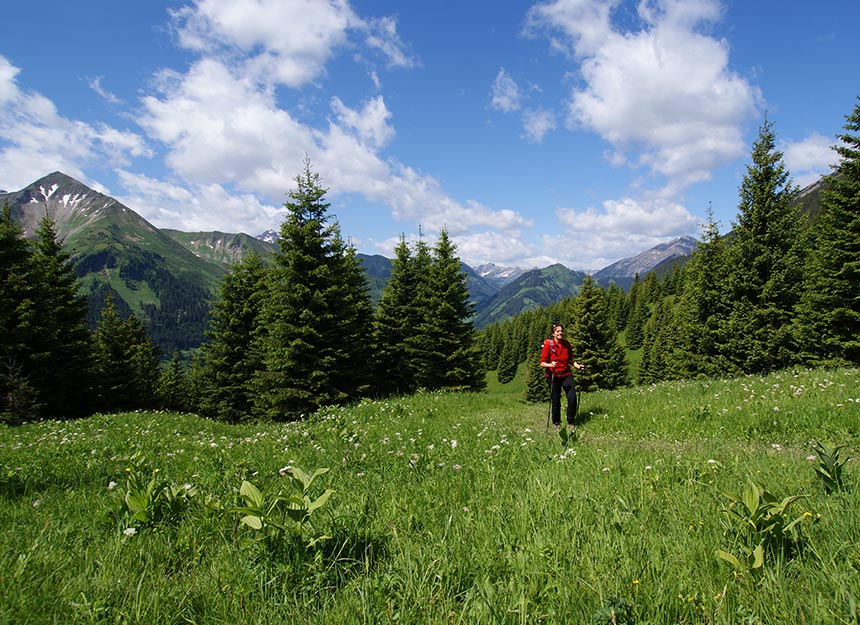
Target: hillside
533, 289
117, 252
168, 276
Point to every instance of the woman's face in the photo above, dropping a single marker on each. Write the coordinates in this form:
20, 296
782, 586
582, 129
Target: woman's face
558, 332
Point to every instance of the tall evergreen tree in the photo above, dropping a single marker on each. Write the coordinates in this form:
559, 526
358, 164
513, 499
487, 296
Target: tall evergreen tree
450, 351
19, 399
61, 349
829, 312
507, 368
396, 319
765, 261
306, 328
230, 358
424, 300
701, 307
173, 390
537, 390
126, 363
638, 314
595, 341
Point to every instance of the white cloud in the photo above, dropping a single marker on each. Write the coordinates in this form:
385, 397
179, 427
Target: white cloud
594, 238
194, 209
505, 94
285, 42
809, 158
371, 123
538, 122
664, 95
37, 140
96, 85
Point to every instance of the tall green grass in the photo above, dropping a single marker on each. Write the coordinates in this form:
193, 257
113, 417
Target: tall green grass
449, 508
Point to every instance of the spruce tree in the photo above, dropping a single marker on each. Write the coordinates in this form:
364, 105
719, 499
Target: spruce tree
701, 307
829, 313
305, 330
637, 316
507, 368
394, 322
230, 358
173, 389
450, 352
595, 341
19, 400
126, 363
61, 348
537, 390
765, 261
417, 342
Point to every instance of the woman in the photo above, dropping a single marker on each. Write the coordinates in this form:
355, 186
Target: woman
557, 358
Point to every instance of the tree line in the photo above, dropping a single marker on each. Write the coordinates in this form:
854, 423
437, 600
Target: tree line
781, 289
287, 334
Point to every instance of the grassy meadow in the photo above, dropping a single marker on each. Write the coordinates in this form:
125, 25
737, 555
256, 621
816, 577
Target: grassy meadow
447, 508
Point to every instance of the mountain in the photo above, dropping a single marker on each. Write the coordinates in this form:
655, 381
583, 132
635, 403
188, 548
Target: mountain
117, 252
495, 274
221, 248
625, 270
167, 277
532, 289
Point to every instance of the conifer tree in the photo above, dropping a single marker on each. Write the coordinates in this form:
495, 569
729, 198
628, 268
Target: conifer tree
701, 308
637, 316
765, 261
304, 325
61, 348
507, 368
396, 319
230, 358
126, 362
450, 351
829, 312
594, 340
537, 390
424, 300
19, 399
173, 389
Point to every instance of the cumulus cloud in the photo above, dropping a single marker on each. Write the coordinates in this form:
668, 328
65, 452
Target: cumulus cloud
809, 158
36, 139
663, 95
191, 209
600, 237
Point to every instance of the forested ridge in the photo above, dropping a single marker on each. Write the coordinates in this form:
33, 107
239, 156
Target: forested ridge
298, 331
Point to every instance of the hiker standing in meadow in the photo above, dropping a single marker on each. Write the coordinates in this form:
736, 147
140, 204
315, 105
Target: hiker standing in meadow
557, 359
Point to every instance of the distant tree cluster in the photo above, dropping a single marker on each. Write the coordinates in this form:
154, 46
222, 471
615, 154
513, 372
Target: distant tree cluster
51, 364
298, 333
285, 337
783, 289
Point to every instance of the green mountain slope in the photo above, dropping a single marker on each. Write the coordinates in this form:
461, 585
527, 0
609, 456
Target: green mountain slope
117, 252
533, 289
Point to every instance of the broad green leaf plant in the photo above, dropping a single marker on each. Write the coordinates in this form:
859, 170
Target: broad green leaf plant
283, 515
763, 526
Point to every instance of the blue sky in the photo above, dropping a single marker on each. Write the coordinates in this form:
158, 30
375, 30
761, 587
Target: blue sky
572, 131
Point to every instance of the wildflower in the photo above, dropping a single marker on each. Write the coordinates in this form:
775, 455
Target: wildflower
456, 467
453, 444
130, 531
635, 582
111, 485
37, 503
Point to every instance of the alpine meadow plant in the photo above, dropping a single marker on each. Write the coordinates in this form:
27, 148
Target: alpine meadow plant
283, 516
763, 528
830, 466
